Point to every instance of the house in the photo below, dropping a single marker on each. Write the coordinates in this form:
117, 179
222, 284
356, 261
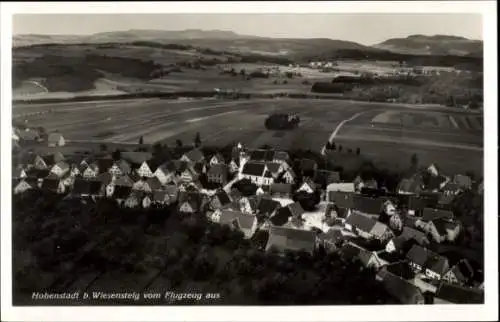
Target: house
264, 190
193, 156
18, 173
121, 193
218, 173
332, 240
413, 185
81, 188
217, 159
23, 185
461, 273
433, 169
367, 205
436, 183
281, 157
239, 221
325, 177
280, 190
220, 199
138, 199
91, 172
399, 288
187, 173
254, 171
38, 175
367, 227
56, 139
308, 186
340, 186
340, 199
190, 202
286, 213
160, 197
457, 294
275, 169
267, 207
249, 205
124, 181
166, 173
60, 169
47, 161
148, 168
442, 230
120, 168
54, 184
289, 239
289, 176
107, 181
397, 244
234, 166
261, 155
28, 135
430, 214
267, 179
423, 260
352, 252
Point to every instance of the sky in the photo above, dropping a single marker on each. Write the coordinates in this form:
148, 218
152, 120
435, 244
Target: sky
367, 29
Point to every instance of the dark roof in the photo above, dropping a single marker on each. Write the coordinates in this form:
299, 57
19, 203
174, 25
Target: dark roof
273, 167
261, 155
253, 168
401, 269
168, 167
154, 164
410, 233
361, 222
326, 177
295, 209
195, 155
81, 186
463, 271
124, 181
341, 199
154, 183
350, 251
291, 239
122, 192
368, 205
416, 203
435, 182
413, 184
104, 164
267, 205
243, 221
431, 214
37, 173
50, 184
404, 291
281, 217
95, 187
442, 225
218, 156
105, 178
222, 196
284, 188
463, 180
219, 169
281, 155
459, 294
49, 159
428, 259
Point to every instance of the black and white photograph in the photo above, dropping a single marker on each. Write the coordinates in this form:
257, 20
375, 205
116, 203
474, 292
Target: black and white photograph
242, 160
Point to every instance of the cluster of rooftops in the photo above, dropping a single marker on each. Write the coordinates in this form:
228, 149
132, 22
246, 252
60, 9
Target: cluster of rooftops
415, 220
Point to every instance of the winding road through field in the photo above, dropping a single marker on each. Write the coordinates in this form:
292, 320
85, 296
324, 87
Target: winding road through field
337, 129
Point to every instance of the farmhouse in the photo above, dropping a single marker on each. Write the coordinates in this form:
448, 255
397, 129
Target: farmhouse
91, 172
442, 230
216, 159
324, 177
28, 135
401, 289
120, 168
60, 169
408, 234
254, 172
461, 273
368, 206
274, 168
193, 156
124, 181
267, 207
423, 260
121, 193
166, 173
18, 173
56, 139
283, 239
220, 199
239, 221
353, 252
289, 176
218, 173
456, 294
23, 185
367, 227
54, 184
308, 186
340, 186
190, 203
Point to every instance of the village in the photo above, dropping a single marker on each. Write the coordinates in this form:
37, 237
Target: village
301, 206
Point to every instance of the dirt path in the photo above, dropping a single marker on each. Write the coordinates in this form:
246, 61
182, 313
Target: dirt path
337, 129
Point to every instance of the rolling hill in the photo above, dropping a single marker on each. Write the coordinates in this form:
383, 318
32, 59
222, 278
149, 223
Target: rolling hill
433, 45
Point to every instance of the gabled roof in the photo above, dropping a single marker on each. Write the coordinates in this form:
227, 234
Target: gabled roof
49, 159
341, 199
50, 184
122, 192
124, 181
134, 176
268, 206
284, 188
167, 167
93, 167
195, 155
428, 259
463, 271
404, 291
281, 217
368, 205
219, 169
253, 168
105, 178
222, 196
296, 209
431, 214
291, 239
281, 156
54, 137
435, 182
95, 187
410, 233
341, 186
123, 165
361, 222
325, 177
460, 295
244, 221
273, 167
332, 235
81, 186
411, 185
153, 183
219, 157
171, 189
37, 173
261, 155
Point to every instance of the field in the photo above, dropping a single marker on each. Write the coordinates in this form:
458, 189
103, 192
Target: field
388, 133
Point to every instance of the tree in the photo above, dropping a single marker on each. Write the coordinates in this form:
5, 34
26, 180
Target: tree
242, 72
340, 148
328, 145
358, 151
141, 140
197, 140
178, 143
334, 147
103, 147
307, 201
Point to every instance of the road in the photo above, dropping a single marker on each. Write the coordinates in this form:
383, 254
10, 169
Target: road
337, 129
